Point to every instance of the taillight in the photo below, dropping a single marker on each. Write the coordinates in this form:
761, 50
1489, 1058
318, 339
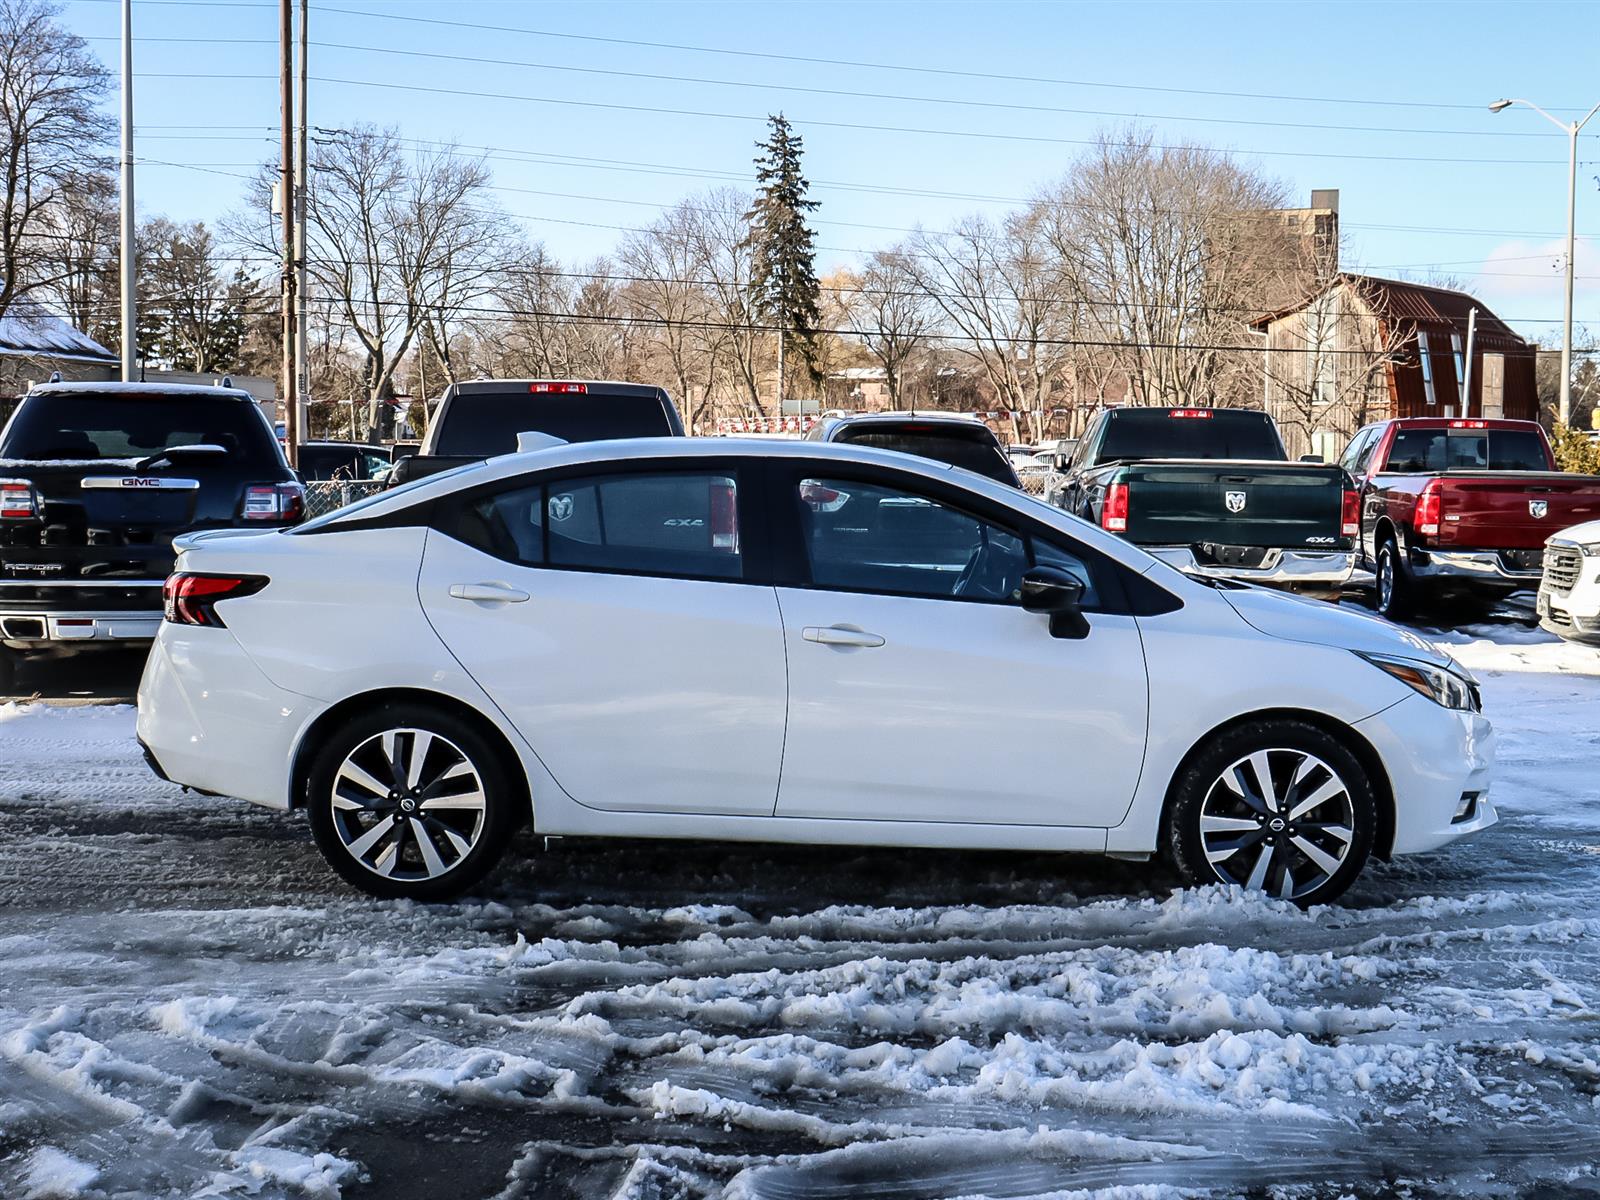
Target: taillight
1469, 424
724, 518
1203, 414
274, 502
560, 389
1350, 519
1430, 504
190, 599
1114, 513
822, 499
17, 502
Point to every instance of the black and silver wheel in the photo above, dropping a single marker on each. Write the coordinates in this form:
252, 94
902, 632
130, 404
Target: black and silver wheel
1394, 585
1279, 807
405, 802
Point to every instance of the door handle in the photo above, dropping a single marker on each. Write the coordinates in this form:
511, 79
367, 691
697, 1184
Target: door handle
489, 593
839, 635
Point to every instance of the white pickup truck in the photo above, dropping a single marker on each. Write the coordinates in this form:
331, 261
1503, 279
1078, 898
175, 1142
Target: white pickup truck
1569, 591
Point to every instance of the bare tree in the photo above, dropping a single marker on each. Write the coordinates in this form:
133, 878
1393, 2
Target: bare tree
50, 129
1165, 252
999, 288
392, 241
721, 241
191, 305
894, 315
530, 336
669, 288
77, 257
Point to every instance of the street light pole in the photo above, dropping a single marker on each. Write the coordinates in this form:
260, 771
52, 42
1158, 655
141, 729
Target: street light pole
1571, 130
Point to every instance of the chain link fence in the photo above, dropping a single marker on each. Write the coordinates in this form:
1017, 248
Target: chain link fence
326, 495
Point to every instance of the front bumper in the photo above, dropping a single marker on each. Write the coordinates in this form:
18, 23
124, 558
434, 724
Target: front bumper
1573, 612
1487, 566
1279, 568
1436, 758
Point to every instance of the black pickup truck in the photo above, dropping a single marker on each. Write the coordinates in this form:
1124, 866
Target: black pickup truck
96, 479
482, 418
1212, 491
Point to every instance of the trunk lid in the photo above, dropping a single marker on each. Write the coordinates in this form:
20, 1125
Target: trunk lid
1234, 503
1512, 510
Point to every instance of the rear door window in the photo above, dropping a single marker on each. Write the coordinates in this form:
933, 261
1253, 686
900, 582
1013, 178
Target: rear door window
84, 426
681, 524
974, 450
1133, 434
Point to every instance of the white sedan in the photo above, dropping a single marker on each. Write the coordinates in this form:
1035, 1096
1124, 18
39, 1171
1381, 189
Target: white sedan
791, 642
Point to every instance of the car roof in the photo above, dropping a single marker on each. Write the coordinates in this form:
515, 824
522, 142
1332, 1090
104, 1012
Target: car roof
213, 391
896, 418
601, 386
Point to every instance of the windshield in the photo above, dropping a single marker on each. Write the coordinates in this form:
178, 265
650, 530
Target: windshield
973, 450
1155, 433
87, 427
487, 423
1432, 450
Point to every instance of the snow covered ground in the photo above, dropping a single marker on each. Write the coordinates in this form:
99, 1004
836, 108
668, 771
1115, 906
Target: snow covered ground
191, 1006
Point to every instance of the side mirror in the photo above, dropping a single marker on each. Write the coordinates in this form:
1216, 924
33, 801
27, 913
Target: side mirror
1053, 591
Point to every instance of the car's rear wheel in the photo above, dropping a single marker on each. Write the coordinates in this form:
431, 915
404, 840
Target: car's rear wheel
1278, 806
1396, 593
409, 802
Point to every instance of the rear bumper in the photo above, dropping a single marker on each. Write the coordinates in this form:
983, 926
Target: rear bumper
1485, 566
24, 627
1280, 568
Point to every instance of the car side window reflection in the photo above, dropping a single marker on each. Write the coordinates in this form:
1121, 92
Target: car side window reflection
1046, 554
681, 524
867, 537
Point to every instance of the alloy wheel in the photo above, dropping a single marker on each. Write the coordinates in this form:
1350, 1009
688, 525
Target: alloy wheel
408, 805
1385, 581
1279, 821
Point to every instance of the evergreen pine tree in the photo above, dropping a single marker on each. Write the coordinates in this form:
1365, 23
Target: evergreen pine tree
783, 280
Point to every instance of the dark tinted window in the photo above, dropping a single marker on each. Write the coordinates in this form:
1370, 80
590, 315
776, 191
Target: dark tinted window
667, 524
866, 537
975, 450
1418, 450
332, 462
487, 423
509, 525
87, 426
1155, 433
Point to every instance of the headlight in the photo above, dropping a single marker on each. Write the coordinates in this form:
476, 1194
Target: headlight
1590, 549
1439, 684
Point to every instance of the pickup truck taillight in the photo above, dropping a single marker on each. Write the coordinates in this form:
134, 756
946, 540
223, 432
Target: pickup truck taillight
17, 502
1350, 519
1114, 513
1430, 505
190, 599
274, 502
724, 518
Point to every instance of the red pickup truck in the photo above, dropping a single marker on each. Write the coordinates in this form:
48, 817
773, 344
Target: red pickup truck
1453, 506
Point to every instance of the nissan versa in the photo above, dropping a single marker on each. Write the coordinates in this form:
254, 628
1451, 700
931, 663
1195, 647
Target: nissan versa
796, 642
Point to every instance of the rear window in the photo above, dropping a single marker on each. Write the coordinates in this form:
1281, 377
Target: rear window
1431, 450
972, 450
1155, 433
87, 426
487, 423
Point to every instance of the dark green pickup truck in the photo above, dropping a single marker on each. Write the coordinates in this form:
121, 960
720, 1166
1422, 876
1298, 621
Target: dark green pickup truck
1212, 491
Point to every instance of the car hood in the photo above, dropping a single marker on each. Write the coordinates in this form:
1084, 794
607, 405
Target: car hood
1295, 619
1589, 531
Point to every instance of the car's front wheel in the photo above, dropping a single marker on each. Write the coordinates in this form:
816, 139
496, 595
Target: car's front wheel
1277, 806
407, 802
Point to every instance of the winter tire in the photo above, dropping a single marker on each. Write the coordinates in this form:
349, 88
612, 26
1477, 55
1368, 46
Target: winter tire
1280, 807
408, 802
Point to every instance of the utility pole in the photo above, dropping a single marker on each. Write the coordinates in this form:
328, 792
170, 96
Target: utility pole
302, 322
286, 202
130, 304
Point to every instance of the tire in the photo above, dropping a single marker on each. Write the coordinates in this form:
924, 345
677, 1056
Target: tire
1220, 813
1396, 595
411, 802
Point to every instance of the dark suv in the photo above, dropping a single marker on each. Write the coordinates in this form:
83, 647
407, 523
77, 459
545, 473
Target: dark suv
96, 479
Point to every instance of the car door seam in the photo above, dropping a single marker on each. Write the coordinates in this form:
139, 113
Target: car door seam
783, 742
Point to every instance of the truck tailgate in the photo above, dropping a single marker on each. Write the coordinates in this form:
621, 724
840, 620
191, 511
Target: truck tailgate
1273, 504
1513, 510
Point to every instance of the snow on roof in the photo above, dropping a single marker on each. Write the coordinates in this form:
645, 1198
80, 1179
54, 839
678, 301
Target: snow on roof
26, 328
152, 388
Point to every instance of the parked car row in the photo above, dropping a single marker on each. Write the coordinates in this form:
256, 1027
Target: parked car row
562, 613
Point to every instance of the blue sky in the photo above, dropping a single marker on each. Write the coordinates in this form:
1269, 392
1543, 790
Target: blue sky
1384, 101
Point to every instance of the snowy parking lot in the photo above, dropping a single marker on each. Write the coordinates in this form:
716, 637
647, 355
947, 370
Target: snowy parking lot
192, 1005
